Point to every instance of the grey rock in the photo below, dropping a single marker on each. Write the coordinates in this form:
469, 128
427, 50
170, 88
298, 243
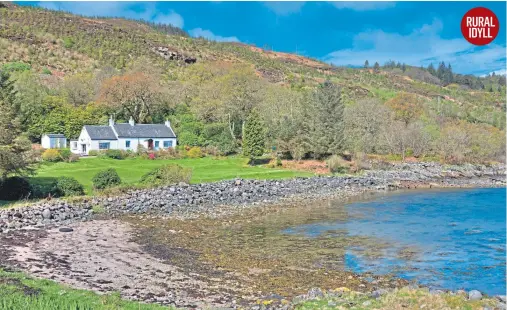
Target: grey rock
65, 229
46, 214
378, 293
474, 295
315, 293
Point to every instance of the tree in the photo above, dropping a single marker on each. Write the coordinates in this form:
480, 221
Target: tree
441, 70
365, 121
326, 128
431, 69
78, 89
501, 80
366, 64
491, 88
253, 136
15, 150
406, 106
376, 67
134, 94
403, 67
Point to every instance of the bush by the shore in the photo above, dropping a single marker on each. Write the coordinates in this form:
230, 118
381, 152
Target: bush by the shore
166, 175
67, 186
106, 178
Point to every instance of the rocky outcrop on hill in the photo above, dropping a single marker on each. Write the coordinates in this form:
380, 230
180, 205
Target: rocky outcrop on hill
223, 198
171, 54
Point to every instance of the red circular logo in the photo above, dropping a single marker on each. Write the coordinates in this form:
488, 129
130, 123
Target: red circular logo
480, 26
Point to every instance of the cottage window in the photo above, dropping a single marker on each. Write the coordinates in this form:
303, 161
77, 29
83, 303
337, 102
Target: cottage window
157, 144
74, 145
127, 144
168, 144
103, 145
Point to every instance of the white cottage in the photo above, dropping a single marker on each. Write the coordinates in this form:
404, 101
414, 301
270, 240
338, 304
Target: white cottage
126, 136
53, 141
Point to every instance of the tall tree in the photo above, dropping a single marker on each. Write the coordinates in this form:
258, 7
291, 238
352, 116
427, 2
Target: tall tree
15, 150
431, 69
376, 67
327, 135
366, 64
253, 136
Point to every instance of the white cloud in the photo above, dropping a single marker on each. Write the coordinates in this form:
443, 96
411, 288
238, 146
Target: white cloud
363, 5
420, 47
172, 18
285, 7
497, 72
199, 32
140, 10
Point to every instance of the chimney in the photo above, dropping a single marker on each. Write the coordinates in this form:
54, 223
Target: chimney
111, 121
131, 121
167, 123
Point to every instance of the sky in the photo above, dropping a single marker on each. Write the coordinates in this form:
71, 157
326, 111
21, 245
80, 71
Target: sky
341, 33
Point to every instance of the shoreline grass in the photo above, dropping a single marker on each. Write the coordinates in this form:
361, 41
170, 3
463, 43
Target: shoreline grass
19, 291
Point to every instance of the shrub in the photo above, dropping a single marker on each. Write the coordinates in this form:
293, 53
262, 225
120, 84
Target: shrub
65, 154
195, 152
167, 174
93, 153
51, 155
337, 164
141, 149
67, 186
14, 188
169, 153
115, 154
152, 156
278, 162
106, 178
46, 71
73, 158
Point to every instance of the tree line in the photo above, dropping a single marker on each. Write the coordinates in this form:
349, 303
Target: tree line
230, 109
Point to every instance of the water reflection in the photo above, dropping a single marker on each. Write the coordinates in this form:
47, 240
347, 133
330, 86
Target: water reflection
448, 238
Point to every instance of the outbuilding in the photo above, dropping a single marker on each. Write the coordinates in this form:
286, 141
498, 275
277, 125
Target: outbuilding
54, 141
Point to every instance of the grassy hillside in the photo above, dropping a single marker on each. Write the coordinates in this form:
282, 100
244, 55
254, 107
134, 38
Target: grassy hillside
66, 43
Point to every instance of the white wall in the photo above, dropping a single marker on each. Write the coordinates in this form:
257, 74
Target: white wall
134, 142
54, 143
45, 142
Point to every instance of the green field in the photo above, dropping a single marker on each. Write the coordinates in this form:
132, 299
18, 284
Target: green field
207, 169
18, 291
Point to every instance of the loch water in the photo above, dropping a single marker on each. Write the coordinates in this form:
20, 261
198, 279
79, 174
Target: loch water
445, 239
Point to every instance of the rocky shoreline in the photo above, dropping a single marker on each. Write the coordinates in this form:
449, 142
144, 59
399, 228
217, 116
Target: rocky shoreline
55, 239
227, 197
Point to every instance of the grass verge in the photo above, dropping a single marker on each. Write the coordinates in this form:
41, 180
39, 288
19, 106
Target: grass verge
18, 291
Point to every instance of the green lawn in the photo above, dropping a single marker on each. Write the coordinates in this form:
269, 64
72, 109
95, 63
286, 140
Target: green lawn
207, 169
18, 291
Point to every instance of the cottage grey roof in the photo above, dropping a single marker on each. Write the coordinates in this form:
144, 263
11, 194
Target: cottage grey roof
100, 132
144, 131
55, 135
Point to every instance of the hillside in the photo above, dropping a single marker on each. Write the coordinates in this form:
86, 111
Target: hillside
61, 49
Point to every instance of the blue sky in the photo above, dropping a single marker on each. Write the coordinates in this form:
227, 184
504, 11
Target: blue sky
342, 33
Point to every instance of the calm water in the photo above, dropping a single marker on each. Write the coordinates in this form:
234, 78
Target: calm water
448, 239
